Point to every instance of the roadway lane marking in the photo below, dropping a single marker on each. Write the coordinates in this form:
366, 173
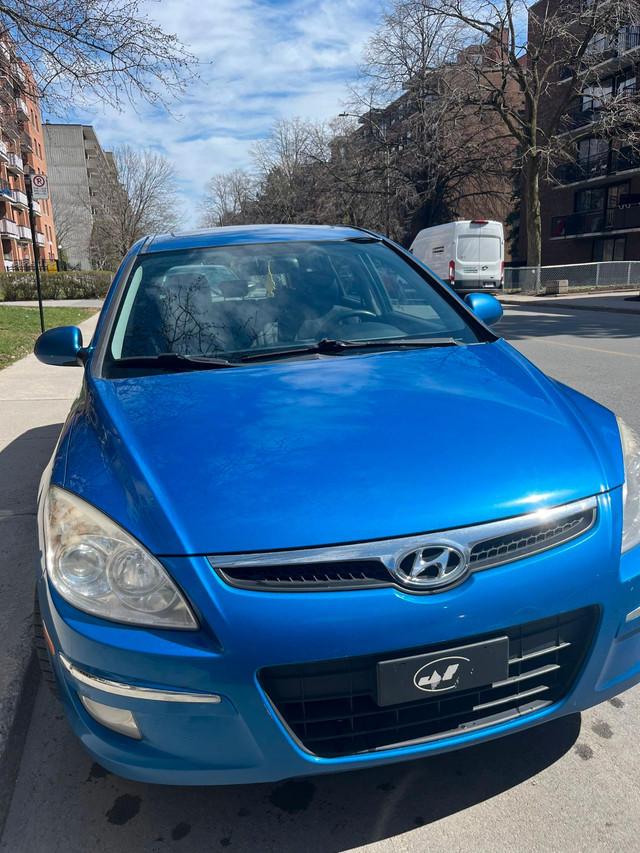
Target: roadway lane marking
590, 349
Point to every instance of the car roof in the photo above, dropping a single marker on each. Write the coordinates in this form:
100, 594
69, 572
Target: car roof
235, 234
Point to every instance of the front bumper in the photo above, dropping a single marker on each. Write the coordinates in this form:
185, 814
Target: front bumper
208, 720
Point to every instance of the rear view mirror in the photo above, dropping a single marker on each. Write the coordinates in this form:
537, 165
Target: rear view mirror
61, 346
485, 306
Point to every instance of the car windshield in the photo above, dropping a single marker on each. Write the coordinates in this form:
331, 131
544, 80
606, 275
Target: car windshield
231, 303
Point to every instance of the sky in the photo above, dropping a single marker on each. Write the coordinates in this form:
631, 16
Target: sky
260, 60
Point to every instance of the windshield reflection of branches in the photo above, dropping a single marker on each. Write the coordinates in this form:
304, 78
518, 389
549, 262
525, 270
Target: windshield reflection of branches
256, 297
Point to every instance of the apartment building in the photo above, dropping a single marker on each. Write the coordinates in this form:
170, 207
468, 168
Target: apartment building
22, 153
464, 165
591, 206
80, 175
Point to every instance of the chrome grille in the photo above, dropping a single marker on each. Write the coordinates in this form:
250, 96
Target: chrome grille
370, 564
523, 543
329, 707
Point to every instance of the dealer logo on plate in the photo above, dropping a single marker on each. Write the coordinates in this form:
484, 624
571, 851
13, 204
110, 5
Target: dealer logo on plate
442, 674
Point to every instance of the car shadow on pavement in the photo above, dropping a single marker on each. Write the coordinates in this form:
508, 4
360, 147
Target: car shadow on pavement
21, 464
63, 795
542, 322
327, 814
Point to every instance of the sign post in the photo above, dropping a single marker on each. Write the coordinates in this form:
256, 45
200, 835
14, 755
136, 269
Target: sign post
36, 187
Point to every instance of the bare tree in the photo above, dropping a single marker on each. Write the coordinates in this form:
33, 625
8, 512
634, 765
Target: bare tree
229, 199
442, 156
138, 197
552, 54
285, 163
91, 51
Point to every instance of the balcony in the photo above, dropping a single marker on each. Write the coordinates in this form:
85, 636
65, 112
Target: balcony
7, 94
625, 160
26, 143
610, 163
595, 167
35, 205
39, 239
580, 116
22, 109
10, 128
6, 190
8, 228
18, 74
15, 164
4, 155
20, 200
596, 222
24, 234
628, 39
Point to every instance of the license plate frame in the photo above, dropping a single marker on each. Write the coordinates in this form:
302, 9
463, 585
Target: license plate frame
442, 673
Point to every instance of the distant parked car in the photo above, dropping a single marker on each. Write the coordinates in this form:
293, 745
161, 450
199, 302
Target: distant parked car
279, 535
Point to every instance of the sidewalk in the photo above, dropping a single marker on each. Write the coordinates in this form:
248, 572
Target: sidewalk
617, 301
34, 402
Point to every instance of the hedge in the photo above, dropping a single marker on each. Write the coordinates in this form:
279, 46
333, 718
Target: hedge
84, 284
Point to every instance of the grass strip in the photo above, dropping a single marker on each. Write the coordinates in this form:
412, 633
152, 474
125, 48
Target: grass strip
20, 327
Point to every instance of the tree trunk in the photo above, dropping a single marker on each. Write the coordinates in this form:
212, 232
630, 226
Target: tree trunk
533, 218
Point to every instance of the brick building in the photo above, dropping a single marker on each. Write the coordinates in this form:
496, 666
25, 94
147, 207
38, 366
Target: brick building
22, 153
443, 104
591, 206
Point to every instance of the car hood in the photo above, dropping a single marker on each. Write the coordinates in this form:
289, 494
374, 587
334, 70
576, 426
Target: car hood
335, 449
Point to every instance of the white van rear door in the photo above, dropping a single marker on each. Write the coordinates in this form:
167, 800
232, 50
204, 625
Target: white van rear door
478, 255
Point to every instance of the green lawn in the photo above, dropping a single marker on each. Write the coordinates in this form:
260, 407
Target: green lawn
19, 328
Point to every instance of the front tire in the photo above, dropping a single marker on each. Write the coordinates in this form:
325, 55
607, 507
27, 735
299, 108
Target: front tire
42, 650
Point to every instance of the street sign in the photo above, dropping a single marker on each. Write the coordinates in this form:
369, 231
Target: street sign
39, 187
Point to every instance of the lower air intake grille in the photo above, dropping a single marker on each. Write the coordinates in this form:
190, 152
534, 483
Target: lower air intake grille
329, 707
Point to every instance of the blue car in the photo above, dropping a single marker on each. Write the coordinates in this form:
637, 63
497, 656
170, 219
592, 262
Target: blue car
316, 516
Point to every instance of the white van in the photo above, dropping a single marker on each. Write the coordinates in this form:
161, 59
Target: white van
468, 254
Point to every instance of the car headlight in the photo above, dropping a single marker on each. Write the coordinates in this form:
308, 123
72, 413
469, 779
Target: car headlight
631, 488
101, 569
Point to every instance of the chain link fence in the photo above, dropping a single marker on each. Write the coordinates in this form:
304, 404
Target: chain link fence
603, 275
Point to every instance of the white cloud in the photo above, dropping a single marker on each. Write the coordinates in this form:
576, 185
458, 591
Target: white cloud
261, 60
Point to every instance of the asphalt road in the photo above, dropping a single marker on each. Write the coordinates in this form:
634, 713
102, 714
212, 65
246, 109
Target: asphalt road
572, 785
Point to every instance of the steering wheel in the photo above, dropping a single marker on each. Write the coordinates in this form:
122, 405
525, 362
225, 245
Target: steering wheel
367, 315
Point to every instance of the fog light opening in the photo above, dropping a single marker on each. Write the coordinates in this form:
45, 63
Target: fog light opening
119, 720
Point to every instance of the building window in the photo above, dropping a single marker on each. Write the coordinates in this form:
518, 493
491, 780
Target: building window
615, 192
628, 84
628, 38
596, 96
592, 199
592, 150
608, 249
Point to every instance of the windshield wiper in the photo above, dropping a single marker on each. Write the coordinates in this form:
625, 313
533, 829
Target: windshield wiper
333, 346
174, 361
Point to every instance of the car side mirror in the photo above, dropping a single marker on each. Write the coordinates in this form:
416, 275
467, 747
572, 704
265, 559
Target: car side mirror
61, 346
485, 306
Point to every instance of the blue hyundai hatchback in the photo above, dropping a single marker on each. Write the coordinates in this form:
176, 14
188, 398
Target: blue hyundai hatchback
309, 513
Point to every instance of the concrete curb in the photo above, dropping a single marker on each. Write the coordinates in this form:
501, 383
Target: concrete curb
16, 709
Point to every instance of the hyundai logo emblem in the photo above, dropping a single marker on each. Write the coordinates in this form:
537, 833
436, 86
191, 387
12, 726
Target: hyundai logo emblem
430, 567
